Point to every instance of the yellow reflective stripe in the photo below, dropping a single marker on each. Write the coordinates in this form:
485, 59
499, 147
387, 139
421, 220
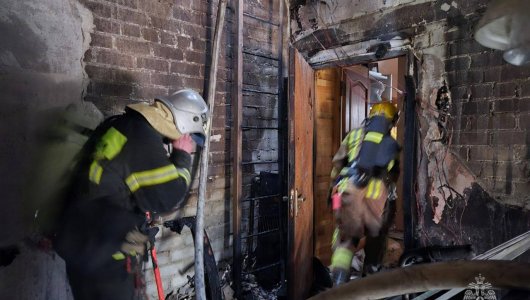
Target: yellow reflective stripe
374, 137
353, 144
110, 144
118, 256
335, 237
377, 189
342, 185
342, 258
370, 189
390, 165
95, 172
156, 176
374, 188
185, 173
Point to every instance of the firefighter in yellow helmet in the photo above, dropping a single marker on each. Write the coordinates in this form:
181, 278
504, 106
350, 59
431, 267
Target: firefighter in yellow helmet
365, 169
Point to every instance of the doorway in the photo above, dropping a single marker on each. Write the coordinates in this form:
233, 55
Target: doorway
323, 106
343, 97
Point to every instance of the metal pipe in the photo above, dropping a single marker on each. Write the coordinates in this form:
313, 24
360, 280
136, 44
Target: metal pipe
260, 198
260, 19
199, 233
260, 55
259, 128
436, 276
259, 92
259, 162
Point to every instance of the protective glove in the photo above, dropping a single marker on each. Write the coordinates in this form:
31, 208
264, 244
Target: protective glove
135, 243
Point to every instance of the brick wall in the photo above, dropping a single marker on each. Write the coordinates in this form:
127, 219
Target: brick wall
492, 134
488, 126
143, 48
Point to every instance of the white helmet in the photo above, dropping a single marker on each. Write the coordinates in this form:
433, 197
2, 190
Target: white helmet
189, 111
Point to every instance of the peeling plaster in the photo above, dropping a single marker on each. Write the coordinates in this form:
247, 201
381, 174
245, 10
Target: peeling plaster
445, 182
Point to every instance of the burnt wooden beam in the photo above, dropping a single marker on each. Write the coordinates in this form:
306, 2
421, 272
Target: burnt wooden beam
409, 163
283, 60
237, 145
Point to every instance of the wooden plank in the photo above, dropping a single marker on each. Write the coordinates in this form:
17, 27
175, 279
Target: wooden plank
237, 143
327, 120
327, 74
324, 83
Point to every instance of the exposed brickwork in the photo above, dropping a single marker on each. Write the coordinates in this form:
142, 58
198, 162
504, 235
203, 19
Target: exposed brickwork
489, 126
140, 50
489, 92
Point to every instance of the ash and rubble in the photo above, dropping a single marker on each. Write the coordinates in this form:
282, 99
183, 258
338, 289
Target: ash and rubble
250, 288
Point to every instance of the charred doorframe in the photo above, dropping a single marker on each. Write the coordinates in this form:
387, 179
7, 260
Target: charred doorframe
409, 146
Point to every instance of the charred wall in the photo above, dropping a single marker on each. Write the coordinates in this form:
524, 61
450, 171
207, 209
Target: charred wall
117, 52
145, 48
476, 162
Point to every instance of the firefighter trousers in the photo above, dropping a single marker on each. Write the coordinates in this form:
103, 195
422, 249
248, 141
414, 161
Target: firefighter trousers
363, 213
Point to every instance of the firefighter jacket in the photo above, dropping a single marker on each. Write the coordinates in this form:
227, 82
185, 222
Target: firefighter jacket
370, 154
125, 172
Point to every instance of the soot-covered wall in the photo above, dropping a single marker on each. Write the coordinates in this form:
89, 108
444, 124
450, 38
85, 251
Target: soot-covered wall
472, 183
113, 53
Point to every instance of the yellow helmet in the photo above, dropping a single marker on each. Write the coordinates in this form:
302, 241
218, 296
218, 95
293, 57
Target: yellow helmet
386, 109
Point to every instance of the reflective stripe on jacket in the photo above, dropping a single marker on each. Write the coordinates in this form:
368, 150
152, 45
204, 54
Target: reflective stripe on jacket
129, 160
370, 151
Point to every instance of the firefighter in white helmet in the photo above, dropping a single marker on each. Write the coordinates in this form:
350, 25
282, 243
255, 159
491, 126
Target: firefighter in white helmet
125, 172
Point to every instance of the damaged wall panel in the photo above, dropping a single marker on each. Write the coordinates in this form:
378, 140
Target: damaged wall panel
40, 69
114, 53
42, 43
474, 156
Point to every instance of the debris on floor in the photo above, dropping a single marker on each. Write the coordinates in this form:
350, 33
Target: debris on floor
185, 292
253, 291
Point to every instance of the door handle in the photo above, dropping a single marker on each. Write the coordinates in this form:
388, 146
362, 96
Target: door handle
299, 199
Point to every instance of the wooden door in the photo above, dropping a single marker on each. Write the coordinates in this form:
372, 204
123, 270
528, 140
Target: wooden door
356, 96
300, 168
327, 141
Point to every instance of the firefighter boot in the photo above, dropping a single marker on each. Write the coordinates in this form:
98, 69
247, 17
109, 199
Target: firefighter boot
340, 265
340, 276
